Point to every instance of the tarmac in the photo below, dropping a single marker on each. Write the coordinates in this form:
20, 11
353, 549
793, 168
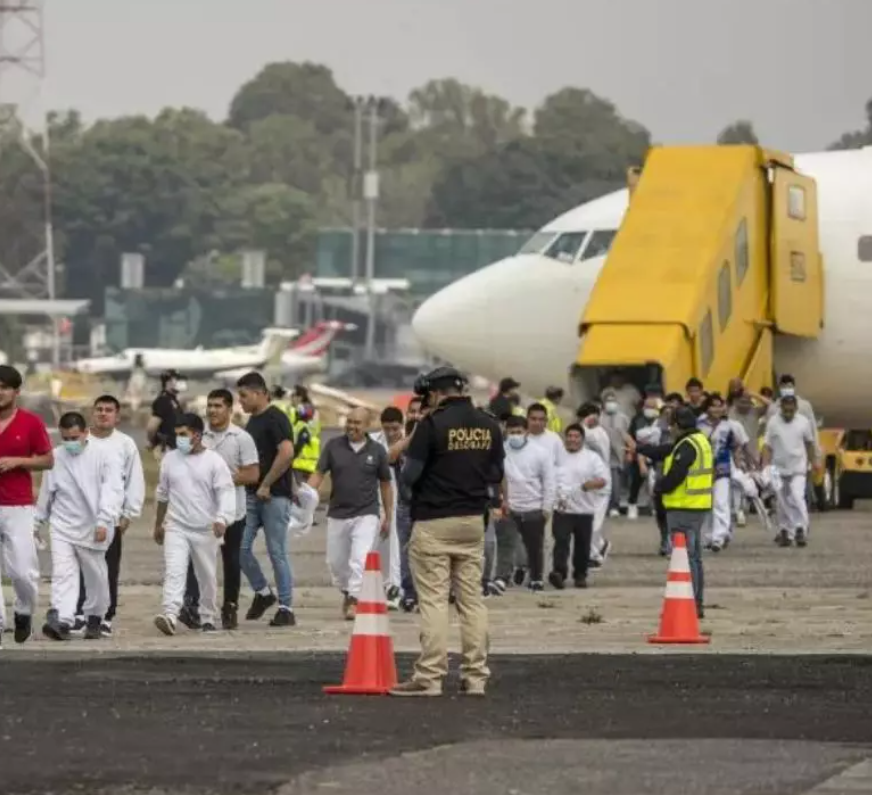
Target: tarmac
779, 702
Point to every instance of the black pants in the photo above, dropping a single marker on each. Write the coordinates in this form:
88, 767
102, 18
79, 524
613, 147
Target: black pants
113, 563
531, 527
230, 551
660, 513
636, 481
571, 530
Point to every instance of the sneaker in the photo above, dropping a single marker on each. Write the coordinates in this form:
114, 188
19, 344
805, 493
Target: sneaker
468, 688
190, 617
166, 624
409, 604
716, 547
392, 598
413, 688
741, 519
801, 537
595, 563
519, 576
78, 627
557, 580
500, 586
229, 617
92, 631
580, 582
23, 628
106, 628
349, 608
613, 513
784, 539
632, 511
208, 627
536, 585
604, 551
56, 630
259, 605
664, 549
285, 617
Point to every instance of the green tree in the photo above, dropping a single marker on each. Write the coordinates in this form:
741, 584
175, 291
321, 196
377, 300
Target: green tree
859, 138
739, 132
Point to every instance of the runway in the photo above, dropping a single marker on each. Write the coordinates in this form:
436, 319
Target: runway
621, 725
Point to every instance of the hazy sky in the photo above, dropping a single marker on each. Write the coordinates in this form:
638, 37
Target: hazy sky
801, 70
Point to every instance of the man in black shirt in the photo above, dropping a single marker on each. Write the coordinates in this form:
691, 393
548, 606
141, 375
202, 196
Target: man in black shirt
269, 502
161, 428
507, 400
454, 458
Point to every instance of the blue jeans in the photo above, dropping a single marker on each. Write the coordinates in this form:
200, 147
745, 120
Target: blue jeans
690, 524
404, 536
273, 516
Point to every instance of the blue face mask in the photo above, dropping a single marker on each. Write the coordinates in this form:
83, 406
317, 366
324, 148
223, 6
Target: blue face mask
74, 446
516, 442
184, 444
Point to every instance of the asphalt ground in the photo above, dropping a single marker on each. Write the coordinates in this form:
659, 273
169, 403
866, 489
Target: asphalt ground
556, 724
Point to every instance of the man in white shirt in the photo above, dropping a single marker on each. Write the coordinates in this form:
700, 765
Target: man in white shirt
596, 439
788, 447
538, 433
104, 433
196, 502
581, 474
81, 500
530, 491
239, 452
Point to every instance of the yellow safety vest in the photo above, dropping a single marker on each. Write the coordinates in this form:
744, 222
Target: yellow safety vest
695, 494
554, 422
306, 458
518, 411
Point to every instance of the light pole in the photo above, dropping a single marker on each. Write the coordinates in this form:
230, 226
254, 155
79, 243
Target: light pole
359, 104
370, 195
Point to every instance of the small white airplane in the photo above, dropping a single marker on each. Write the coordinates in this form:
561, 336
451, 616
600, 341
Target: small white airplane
307, 355
520, 316
196, 363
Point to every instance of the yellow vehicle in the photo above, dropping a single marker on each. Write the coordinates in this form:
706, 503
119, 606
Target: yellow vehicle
847, 472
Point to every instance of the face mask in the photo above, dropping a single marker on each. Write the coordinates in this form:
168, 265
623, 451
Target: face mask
651, 414
611, 407
74, 446
184, 444
787, 391
516, 442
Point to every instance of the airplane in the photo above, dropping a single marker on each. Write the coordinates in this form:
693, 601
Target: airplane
521, 316
305, 356
192, 363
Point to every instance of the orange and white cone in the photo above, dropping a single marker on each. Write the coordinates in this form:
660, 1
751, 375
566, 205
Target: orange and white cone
370, 668
678, 621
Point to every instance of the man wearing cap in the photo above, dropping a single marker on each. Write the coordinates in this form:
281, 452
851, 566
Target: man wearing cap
454, 459
166, 409
686, 490
507, 401
24, 448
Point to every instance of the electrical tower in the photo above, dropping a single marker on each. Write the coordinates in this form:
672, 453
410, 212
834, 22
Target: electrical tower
27, 267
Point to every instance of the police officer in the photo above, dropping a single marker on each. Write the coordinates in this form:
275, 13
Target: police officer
686, 490
454, 456
161, 428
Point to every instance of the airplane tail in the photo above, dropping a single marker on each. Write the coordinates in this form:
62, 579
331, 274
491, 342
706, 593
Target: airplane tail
274, 343
318, 339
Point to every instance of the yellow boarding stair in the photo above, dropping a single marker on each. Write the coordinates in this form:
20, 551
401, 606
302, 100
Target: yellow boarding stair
717, 253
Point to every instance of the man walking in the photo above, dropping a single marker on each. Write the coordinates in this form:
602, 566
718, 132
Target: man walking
358, 466
454, 458
268, 502
24, 448
81, 500
196, 503
105, 434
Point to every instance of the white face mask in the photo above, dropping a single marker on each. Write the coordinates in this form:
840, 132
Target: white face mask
787, 391
651, 414
611, 407
516, 442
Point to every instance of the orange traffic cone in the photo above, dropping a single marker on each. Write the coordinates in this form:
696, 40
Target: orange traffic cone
678, 621
370, 668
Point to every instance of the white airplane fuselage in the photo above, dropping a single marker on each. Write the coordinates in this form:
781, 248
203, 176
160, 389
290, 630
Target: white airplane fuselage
520, 316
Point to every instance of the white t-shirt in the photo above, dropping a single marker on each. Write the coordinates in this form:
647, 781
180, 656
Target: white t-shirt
550, 441
788, 440
237, 448
596, 439
574, 471
199, 489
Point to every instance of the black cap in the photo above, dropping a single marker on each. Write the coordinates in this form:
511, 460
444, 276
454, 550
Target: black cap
553, 393
10, 377
684, 418
166, 375
440, 378
507, 384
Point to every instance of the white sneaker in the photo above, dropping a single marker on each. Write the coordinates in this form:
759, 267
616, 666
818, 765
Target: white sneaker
166, 624
614, 512
632, 511
741, 519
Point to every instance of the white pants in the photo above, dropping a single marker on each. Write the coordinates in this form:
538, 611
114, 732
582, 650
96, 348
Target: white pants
790, 506
201, 548
598, 537
67, 560
349, 541
718, 523
20, 559
389, 549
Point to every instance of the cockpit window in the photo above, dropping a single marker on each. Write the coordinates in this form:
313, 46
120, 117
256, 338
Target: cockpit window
599, 244
565, 248
537, 243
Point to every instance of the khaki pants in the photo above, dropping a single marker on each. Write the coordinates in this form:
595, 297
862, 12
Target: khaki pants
442, 552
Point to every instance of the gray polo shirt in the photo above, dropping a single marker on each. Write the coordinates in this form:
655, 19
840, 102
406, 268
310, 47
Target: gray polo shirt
355, 475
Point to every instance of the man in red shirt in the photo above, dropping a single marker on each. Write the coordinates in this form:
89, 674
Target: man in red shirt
24, 448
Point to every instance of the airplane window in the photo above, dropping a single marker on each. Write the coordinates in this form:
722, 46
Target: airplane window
599, 244
537, 243
566, 247
864, 248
